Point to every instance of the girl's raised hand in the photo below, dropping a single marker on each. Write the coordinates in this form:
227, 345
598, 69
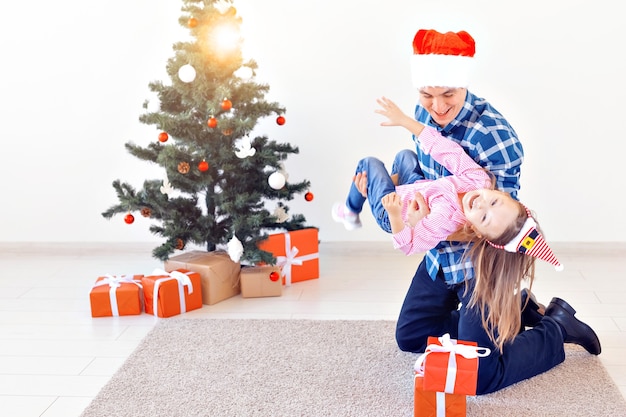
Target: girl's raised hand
391, 111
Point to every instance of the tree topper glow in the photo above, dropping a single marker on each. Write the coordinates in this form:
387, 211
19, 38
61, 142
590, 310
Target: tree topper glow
226, 37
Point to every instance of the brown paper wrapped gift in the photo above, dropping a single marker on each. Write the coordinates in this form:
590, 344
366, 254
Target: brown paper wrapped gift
261, 281
218, 273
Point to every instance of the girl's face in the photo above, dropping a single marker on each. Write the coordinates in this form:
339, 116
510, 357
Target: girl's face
490, 212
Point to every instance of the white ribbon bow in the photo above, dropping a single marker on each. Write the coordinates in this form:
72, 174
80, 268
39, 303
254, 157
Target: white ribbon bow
290, 258
183, 281
450, 345
114, 282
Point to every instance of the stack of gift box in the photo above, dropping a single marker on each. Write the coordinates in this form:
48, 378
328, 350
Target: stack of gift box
445, 374
191, 279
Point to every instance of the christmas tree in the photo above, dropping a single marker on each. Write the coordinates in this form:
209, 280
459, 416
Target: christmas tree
218, 181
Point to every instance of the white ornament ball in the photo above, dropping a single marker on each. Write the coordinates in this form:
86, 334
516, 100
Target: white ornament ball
187, 73
276, 180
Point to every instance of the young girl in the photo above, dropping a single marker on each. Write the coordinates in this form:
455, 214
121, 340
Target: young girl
506, 238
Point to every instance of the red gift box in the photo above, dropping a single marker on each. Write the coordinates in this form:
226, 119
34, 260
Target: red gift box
167, 294
114, 295
450, 365
437, 404
296, 252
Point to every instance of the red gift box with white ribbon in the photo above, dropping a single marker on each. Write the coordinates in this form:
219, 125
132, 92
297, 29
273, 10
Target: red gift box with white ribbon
168, 294
437, 404
296, 253
450, 365
116, 295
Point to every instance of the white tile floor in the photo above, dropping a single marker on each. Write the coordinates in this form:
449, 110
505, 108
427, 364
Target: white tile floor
54, 357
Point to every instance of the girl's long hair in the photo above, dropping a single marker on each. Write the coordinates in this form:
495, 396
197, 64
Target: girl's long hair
499, 276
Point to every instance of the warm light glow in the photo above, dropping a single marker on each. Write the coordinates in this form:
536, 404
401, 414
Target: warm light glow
222, 6
245, 73
225, 37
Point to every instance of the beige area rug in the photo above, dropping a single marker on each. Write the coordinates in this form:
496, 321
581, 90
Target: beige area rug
286, 368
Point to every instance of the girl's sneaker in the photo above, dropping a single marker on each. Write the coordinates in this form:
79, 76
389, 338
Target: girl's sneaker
342, 214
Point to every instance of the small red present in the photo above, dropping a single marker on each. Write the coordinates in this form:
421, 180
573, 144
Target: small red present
450, 365
437, 404
260, 281
167, 294
296, 252
114, 295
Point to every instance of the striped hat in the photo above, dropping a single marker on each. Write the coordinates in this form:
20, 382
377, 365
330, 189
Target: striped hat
530, 242
442, 59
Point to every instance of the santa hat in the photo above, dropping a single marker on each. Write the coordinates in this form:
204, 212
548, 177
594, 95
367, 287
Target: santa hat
442, 59
530, 242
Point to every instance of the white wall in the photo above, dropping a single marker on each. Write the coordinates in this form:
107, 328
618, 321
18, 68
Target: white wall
74, 75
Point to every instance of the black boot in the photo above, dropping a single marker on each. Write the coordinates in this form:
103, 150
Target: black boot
574, 330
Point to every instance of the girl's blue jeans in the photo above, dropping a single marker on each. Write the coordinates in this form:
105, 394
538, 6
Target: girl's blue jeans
379, 183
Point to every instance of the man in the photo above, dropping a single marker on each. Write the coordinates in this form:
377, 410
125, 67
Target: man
437, 299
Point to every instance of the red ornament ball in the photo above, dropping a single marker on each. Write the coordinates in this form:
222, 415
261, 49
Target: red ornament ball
227, 104
308, 196
280, 120
212, 122
193, 22
203, 166
163, 137
129, 218
274, 276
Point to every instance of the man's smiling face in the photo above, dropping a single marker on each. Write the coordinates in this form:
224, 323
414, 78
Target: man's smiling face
442, 103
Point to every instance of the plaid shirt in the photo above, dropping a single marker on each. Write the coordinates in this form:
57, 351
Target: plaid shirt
490, 140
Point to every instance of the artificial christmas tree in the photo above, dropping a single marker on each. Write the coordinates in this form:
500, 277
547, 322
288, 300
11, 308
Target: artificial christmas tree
218, 181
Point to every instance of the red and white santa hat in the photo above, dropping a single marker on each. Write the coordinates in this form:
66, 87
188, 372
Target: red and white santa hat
442, 59
532, 243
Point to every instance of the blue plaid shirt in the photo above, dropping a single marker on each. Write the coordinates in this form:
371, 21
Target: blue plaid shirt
491, 141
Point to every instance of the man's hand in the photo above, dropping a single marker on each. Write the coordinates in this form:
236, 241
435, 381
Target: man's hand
418, 209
